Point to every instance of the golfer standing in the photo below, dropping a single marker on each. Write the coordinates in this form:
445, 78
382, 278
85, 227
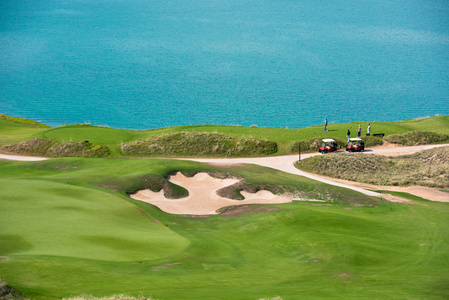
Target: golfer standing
325, 125
368, 130
348, 135
359, 131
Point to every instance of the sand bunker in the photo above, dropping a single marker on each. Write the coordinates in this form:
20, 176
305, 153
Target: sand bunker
203, 199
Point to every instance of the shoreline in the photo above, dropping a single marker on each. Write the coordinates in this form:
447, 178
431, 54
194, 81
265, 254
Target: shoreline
330, 124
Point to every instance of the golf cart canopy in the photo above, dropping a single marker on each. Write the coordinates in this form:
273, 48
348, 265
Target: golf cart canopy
355, 139
328, 140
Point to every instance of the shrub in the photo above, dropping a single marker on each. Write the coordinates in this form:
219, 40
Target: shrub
198, 144
417, 138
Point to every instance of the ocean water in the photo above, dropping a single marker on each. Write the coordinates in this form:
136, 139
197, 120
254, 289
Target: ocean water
143, 64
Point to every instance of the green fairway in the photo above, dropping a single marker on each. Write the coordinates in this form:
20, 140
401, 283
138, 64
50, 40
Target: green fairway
54, 219
13, 132
68, 228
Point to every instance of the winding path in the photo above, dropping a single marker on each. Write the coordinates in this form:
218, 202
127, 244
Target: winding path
286, 163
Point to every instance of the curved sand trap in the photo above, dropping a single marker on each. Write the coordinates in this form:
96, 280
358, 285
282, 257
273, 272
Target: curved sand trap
203, 199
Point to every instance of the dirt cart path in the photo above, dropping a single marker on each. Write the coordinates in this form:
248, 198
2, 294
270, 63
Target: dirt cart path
286, 164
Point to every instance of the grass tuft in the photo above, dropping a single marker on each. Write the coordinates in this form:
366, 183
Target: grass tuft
418, 138
50, 148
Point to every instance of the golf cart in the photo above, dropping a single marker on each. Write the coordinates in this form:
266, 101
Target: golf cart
328, 145
355, 144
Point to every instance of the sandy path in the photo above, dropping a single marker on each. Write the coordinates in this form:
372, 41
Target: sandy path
286, 164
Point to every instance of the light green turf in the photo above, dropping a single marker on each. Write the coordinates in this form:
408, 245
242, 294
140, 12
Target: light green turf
46, 218
11, 133
65, 231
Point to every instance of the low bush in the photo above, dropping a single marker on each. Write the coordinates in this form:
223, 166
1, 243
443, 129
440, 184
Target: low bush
417, 138
198, 144
44, 147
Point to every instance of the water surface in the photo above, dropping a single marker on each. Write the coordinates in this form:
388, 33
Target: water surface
147, 64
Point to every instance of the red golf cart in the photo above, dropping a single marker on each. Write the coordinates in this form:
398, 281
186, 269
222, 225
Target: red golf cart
328, 145
355, 145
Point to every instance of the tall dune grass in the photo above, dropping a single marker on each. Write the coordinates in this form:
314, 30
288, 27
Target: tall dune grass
426, 168
199, 143
418, 138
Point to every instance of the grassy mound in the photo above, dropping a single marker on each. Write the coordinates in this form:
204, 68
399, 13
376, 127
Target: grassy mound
198, 144
44, 147
155, 183
27, 122
427, 168
418, 138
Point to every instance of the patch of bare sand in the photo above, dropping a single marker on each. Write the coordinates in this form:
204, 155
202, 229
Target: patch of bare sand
21, 157
203, 199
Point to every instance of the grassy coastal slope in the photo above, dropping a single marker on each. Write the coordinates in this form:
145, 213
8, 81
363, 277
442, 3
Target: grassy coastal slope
68, 228
286, 139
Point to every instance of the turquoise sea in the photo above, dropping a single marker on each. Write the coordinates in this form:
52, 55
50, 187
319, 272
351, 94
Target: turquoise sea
142, 64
